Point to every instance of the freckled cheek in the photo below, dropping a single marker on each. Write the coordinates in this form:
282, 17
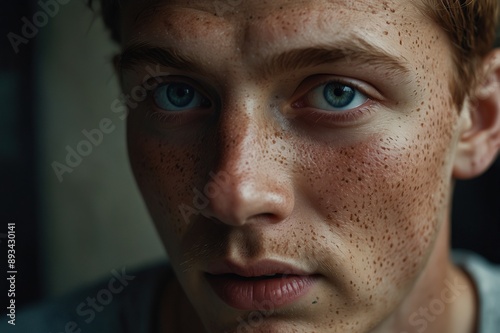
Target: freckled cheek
163, 173
383, 200
414, 177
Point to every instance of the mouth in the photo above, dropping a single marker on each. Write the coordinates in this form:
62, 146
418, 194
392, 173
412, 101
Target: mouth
265, 285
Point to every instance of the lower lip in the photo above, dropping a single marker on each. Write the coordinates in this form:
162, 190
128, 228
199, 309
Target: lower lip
259, 294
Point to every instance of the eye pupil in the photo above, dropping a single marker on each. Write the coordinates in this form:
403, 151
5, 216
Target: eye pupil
338, 95
180, 94
338, 92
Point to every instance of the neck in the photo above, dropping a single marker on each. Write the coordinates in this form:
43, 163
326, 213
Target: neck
441, 300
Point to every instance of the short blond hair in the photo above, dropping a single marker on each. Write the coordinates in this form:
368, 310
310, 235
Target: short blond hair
470, 26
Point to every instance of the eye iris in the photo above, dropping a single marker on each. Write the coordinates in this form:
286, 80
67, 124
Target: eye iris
180, 94
338, 95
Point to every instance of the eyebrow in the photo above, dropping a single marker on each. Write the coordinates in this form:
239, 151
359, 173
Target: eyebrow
356, 51
142, 53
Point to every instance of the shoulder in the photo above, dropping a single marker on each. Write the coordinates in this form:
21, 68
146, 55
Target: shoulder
486, 277
122, 302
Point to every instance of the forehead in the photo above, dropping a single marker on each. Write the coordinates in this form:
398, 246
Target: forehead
231, 37
260, 24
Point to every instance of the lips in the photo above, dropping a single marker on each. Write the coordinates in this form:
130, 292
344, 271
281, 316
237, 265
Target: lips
263, 285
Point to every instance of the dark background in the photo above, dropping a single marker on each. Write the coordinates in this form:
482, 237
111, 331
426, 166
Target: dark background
18, 157
476, 213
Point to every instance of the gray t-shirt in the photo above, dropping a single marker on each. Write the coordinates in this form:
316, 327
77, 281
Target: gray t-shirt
487, 280
126, 303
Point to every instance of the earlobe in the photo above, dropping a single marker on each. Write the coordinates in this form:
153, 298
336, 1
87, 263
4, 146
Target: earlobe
479, 143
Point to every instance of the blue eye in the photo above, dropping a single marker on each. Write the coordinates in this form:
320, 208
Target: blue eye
335, 96
179, 96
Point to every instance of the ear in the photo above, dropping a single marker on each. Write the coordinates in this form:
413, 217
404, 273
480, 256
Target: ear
479, 143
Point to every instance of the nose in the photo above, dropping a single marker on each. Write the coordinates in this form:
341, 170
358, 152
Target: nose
253, 186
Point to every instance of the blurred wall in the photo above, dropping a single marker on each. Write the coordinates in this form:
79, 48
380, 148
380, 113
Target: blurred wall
94, 219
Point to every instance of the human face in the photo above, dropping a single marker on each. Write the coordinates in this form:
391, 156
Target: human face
308, 138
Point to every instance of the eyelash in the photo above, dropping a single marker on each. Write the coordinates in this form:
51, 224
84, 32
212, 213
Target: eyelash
163, 116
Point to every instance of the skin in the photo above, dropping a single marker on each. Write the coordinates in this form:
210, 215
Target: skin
361, 197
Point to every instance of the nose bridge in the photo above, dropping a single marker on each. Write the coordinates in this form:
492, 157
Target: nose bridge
239, 140
251, 188
240, 145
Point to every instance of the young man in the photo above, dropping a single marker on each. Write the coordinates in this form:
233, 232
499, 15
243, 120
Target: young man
297, 159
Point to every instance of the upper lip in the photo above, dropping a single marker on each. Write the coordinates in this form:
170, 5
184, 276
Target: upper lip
254, 269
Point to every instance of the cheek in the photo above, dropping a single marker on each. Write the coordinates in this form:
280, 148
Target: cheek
385, 196
166, 173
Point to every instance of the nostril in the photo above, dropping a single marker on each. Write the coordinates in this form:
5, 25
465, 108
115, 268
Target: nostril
265, 217
248, 197
215, 220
